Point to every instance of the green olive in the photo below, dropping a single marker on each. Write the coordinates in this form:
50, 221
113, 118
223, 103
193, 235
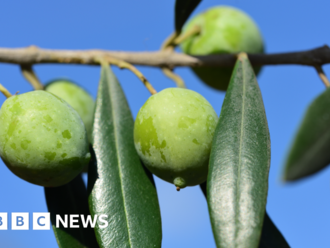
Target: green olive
223, 30
173, 133
42, 139
77, 98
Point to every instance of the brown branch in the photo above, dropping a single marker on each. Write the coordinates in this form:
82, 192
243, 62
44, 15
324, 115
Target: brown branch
34, 55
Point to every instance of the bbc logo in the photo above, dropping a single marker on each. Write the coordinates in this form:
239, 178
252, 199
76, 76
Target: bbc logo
20, 221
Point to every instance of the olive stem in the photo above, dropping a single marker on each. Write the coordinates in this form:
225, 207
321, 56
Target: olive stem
242, 55
4, 91
169, 44
124, 65
322, 75
169, 41
176, 78
176, 39
31, 77
196, 30
147, 84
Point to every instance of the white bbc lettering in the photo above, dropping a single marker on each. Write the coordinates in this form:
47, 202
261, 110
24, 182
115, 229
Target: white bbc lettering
64, 222
20, 221
101, 219
72, 220
88, 220
3, 221
41, 221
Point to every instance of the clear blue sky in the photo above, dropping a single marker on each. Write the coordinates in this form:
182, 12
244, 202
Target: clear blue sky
300, 210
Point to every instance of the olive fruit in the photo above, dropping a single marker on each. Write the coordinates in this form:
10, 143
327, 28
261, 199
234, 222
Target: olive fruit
42, 139
223, 30
173, 133
77, 98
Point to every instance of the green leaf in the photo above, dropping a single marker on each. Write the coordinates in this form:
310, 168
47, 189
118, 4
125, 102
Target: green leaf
70, 199
183, 9
119, 185
271, 237
310, 150
237, 182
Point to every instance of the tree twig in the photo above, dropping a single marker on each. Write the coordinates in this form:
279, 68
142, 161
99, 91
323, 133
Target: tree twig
31, 77
4, 91
176, 78
192, 32
322, 75
124, 65
33, 55
168, 41
147, 84
168, 46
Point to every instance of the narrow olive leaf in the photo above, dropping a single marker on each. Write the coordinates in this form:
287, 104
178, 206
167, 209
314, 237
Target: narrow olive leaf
70, 200
271, 237
310, 150
204, 189
183, 9
119, 186
237, 182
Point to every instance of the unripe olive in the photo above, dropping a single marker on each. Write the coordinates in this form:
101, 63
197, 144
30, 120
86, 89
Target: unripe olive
223, 30
42, 139
173, 133
77, 98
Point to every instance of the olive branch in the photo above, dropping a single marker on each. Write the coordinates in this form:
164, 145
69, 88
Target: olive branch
33, 55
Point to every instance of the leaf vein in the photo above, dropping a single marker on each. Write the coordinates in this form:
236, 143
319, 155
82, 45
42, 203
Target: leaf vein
240, 152
119, 162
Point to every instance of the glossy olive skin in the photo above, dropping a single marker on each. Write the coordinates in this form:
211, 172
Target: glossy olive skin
77, 98
42, 139
223, 30
173, 133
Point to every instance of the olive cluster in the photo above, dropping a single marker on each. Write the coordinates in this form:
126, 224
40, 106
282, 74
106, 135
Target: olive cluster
45, 135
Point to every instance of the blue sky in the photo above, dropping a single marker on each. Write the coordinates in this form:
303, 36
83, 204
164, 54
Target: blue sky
300, 210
